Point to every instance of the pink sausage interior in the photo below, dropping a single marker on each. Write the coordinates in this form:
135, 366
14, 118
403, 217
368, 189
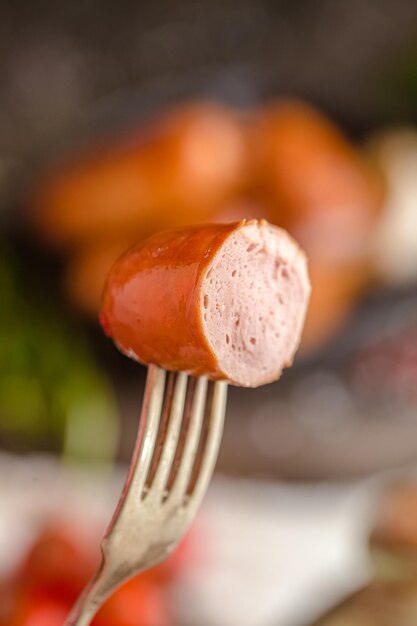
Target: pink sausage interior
254, 298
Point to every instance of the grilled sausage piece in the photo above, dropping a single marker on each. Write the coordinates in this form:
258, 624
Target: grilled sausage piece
223, 300
321, 188
151, 177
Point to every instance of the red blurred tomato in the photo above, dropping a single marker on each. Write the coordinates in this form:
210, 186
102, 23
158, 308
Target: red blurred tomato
60, 564
136, 603
61, 561
39, 609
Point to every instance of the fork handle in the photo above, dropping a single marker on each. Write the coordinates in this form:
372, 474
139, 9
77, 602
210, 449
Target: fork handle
93, 597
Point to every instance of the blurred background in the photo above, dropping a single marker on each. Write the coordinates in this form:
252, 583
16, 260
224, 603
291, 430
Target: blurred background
119, 120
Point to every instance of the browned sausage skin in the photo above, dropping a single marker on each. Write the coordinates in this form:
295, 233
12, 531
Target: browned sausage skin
223, 300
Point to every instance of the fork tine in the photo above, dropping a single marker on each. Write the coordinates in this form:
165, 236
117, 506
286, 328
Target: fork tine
143, 532
212, 443
148, 430
162, 428
172, 435
187, 460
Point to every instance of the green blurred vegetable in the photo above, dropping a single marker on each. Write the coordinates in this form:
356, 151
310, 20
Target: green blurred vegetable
52, 393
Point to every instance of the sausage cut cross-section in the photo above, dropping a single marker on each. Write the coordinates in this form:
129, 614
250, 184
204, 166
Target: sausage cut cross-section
223, 300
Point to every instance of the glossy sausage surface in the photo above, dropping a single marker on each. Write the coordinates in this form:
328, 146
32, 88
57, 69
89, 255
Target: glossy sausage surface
223, 300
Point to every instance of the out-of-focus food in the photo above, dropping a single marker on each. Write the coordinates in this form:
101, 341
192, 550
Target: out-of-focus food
379, 604
204, 162
60, 561
59, 564
37, 608
137, 603
323, 191
393, 541
391, 597
333, 296
51, 387
88, 269
394, 245
226, 301
172, 171
242, 208
320, 189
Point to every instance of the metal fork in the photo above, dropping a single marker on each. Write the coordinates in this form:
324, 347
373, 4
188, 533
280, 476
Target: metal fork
176, 449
